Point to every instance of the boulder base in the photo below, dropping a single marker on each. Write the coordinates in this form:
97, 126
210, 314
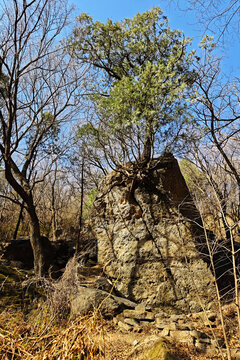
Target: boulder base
148, 234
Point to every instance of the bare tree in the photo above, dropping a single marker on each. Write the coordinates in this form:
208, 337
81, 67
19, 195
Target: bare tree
220, 17
217, 110
38, 90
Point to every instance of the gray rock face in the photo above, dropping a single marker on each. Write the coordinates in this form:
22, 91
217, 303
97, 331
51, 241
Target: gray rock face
87, 299
148, 236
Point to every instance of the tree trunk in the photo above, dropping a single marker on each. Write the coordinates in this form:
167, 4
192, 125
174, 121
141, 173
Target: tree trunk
39, 253
53, 210
20, 218
148, 142
53, 205
147, 151
40, 246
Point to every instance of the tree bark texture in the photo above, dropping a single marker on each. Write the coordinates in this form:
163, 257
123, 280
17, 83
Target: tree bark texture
40, 263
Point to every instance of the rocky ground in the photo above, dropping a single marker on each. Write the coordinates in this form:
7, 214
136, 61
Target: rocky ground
94, 338
31, 327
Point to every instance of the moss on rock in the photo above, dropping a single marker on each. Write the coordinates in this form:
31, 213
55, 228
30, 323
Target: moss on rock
153, 348
159, 351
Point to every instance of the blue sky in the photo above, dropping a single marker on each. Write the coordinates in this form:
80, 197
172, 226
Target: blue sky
119, 9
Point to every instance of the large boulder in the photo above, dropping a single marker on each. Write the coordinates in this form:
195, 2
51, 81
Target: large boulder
86, 300
149, 235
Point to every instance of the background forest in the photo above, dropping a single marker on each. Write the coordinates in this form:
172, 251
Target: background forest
78, 105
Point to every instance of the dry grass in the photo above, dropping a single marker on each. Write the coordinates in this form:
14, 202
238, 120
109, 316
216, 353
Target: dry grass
85, 338
47, 333
80, 339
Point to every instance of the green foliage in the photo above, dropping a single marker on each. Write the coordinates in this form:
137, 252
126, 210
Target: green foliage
89, 133
89, 201
4, 80
86, 129
207, 43
144, 76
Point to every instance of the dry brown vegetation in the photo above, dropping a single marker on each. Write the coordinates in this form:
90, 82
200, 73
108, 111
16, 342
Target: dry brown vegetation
47, 332
78, 339
83, 338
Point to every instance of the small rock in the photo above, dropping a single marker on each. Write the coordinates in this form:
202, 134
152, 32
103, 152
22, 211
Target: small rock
184, 326
205, 341
141, 308
172, 326
182, 336
168, 328
196, 334
165, 332
175, 317
125, 302
131, 322
161, 324
123, 326
139, 315
161, 315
